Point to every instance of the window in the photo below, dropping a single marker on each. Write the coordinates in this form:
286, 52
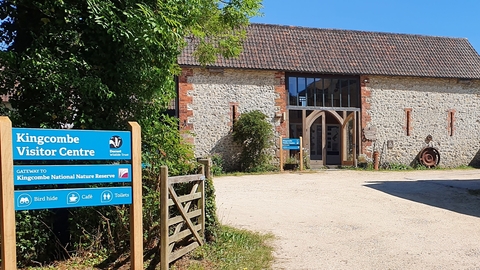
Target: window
408, 121
234, 112
451, 122
323, 91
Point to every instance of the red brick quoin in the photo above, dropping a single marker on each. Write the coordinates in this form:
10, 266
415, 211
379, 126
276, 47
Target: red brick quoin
365, 93
184, 99
281, 103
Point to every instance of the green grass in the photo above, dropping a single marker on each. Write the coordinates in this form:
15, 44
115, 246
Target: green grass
403, 167
75, 263
233, 249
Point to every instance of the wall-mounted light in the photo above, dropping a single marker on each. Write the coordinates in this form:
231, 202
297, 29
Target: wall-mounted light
366, 80
281, 116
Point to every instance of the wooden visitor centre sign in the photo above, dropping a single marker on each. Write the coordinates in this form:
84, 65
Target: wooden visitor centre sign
291, 144
53, 145
67, 144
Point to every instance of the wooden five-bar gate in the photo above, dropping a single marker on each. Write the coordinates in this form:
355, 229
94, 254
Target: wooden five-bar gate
183, 232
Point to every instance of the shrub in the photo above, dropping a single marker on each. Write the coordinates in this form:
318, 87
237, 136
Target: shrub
217, 165
212, 225
306, 158
255, 135
35, 238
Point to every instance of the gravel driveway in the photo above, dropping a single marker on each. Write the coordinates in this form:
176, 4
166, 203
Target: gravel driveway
341, 219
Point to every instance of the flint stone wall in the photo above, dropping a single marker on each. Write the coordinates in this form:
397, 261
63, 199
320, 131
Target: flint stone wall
430, 101
212, 97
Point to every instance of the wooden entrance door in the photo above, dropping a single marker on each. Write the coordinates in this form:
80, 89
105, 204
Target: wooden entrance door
332, 142
349, 138
315, 138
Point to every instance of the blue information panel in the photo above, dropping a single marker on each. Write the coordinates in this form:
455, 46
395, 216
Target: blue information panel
291, 144
70, 144
291, 141
67, 198
71, 174
291, 147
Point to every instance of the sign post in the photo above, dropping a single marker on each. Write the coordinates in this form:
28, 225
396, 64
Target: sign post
281, 154
66, 144
291, 144
9, 255
136, 216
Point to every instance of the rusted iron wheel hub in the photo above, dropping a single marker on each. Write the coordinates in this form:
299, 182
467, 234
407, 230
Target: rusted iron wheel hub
429, 157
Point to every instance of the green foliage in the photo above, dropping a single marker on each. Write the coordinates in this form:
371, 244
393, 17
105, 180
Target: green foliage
291, 163
34, 236
421, 167
397, 167
97, 64
369, 166
217, 165
306, 158
291, 160
465, 167
212, 225
237, 249
255, 135
99, 229
162, 145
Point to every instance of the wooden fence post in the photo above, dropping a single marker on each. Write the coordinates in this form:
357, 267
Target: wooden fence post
201, 203
7, 200
136, 215
301, 153
201, 206
164, 260
207, 163
281, 153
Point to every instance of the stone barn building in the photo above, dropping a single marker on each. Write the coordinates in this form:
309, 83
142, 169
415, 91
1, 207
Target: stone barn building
347, 93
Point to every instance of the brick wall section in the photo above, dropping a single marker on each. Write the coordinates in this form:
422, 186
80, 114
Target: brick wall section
431, 100
206, 99
365, 95
185, 112
281, 108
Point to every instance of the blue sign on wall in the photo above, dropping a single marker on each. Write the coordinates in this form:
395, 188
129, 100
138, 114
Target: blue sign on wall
71, 174
291, 144
67, 198
70, 144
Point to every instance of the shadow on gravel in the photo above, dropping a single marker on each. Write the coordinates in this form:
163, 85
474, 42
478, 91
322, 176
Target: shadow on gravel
461, 196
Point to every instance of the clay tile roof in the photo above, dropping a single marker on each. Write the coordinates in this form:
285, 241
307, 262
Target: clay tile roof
300, 49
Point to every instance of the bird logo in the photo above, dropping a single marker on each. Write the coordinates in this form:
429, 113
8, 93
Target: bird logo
115, 142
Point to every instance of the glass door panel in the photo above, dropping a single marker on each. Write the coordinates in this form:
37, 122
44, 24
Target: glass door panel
333, 144
316, 149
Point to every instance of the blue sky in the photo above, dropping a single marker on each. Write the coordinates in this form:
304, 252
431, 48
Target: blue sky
446, 18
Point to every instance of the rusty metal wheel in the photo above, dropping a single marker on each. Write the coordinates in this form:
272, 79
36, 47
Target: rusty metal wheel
429, 157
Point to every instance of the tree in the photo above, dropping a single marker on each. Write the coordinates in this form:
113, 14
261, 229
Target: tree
96, 64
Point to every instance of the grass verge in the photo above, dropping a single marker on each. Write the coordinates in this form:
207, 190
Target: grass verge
233, 249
